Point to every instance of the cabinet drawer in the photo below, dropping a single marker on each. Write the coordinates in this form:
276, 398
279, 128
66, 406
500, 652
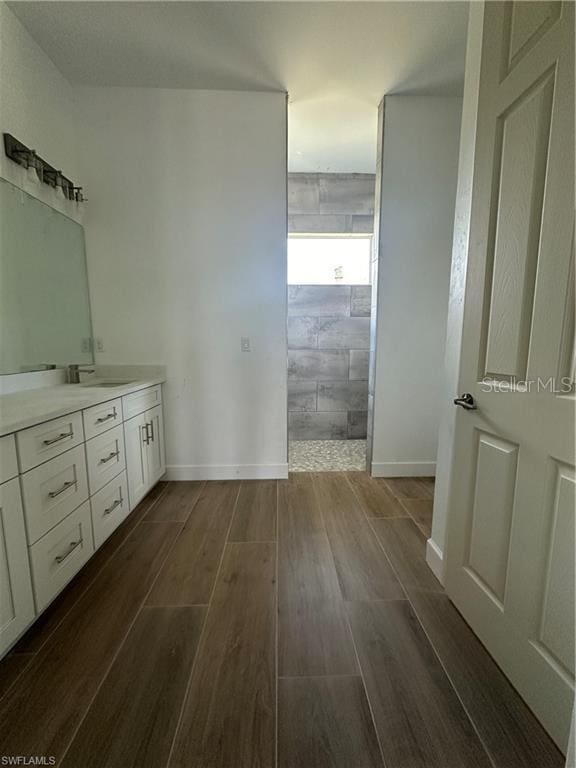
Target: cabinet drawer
44, 441
105, 457
109, 507
102, 417
141, 401
53, 490
60, 554
8, 461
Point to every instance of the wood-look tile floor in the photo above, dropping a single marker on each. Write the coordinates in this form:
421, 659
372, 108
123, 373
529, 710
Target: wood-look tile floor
264, 624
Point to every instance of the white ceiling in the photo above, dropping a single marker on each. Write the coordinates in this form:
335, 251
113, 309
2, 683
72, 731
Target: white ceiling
335, 59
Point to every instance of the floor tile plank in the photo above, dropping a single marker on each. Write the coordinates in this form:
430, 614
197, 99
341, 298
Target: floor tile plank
60, 663
325, 722
410, 487
255, 515
188, 575
176, 503
374, 497
420, 510
364, 571
313, 633
11, 667
45, 625
512, 735
418, 716
41, 713
132, 721
229, 717
405, 545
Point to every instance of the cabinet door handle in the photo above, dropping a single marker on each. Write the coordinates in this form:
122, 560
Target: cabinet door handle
67, 484
61, 436
71, 548
112, 507
146, 438
108, 458
151, 430
108, 416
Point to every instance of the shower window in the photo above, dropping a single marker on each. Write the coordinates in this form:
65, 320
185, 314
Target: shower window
329, 260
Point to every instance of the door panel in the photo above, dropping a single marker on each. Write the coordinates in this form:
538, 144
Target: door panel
527, 22
16, 601
557, 617
136, 458
155, 448
523, 148
510, 547
492, 512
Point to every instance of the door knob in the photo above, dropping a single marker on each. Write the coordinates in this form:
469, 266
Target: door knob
466, 401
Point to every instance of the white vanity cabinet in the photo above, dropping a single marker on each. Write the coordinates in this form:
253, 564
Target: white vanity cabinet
65, 485
145, 457
16, 601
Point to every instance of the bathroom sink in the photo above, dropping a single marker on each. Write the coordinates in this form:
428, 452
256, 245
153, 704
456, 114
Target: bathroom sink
108, 383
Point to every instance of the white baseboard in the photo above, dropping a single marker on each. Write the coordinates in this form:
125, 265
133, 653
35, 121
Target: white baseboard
404, 469
435, 560
226, 472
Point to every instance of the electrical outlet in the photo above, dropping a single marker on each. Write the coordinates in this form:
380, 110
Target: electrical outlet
99, 344
86, 345
245, 344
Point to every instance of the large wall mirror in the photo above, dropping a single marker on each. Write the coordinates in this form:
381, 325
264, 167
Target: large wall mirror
44, 303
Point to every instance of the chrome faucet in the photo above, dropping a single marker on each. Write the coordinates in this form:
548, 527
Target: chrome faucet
74, 372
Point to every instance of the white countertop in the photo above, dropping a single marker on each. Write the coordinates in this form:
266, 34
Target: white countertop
20, 410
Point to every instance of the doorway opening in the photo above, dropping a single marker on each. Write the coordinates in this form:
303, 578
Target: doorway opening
329, 308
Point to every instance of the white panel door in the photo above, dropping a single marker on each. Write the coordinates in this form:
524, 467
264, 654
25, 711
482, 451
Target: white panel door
135, 439
510, 548
16, 601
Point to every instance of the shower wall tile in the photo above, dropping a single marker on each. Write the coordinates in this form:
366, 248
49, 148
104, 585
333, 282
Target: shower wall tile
350, 194
347, 193
318, 365
302, 395
344, 333
321, 223
302, 332
359, 364
319, 300
363, 225
343, 396
317, 426
360, 301
303, 194
357, 425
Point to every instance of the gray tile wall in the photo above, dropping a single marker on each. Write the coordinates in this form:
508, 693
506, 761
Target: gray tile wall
328, 360
331, 202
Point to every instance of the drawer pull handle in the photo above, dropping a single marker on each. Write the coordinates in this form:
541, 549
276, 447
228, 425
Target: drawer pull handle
71, 548
110, 456
67, 484
61, 436
108, 416
111, 508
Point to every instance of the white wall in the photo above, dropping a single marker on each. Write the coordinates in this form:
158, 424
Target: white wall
36, 106
186, 241
419, 171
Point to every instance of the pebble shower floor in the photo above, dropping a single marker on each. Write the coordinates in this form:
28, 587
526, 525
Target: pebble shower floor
327, 455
